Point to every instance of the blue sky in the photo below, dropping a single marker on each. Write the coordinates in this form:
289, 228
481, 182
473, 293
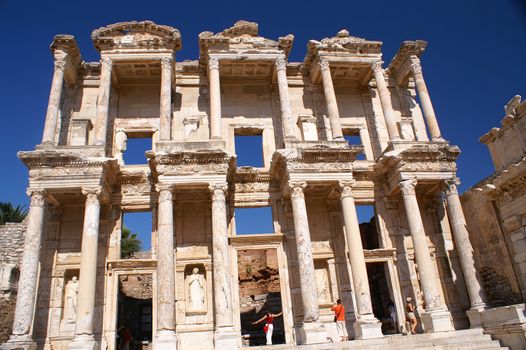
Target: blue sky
473, 65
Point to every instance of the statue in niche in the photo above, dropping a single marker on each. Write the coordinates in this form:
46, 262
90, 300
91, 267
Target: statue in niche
322, 282
70, 307
196, 290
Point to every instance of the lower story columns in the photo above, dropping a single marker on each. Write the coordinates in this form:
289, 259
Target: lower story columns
312, 331
436, 318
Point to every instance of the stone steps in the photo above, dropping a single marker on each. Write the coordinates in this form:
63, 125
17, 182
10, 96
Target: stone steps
470, 339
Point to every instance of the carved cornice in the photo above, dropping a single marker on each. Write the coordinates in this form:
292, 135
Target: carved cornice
133, 35
52, 159
406, 50
190, 163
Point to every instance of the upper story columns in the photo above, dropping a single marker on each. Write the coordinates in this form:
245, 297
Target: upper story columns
385, 100
53, 106
165, 114
330, 99
283, 88
215, 98
103, 101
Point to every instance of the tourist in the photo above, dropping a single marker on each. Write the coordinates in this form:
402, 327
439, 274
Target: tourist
391, 309
410, 311
339, 318
269, 326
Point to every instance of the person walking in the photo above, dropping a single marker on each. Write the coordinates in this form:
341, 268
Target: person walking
269, 326
339, 318
410, 313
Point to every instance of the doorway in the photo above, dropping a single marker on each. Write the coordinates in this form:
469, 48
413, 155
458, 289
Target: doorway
384, 308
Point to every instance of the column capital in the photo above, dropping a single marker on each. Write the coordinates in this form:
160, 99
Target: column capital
165, 192
60, 64
450, 186
407, 187
218, 190
167, 61
92, 194
106, 62
345, 188
296, 188
213, 63
416, 67
324, 65
281, 64
38, 196
377, 65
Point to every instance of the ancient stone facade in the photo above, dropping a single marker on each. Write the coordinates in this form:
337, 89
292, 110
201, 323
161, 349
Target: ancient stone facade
496, 217
312, 178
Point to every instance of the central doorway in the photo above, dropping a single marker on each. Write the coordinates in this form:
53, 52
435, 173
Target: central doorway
134, 312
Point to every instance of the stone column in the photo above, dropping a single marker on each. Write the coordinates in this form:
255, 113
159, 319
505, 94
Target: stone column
84, 338
215, 99
165, 115
425, 101
224, 335
436, 318
283, 87
311, 331
53, 106
330, 99
165, 336
476, 293
385, 101
25, 300
103, 101
366, 325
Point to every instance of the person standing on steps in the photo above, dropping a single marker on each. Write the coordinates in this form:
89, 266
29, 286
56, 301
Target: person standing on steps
269, 326
410, 312
339, 318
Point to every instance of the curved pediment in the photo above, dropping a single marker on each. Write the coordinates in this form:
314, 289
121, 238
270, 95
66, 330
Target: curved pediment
136, 35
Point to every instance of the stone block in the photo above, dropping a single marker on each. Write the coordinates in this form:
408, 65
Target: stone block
367, 330
437, 321
311, 333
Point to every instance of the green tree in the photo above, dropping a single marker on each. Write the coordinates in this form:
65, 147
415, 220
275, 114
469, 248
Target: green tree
10, 213
129, 243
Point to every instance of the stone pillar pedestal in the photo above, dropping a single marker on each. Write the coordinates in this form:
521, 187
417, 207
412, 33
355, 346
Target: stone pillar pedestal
283, 87
21, 337
225, 336
103, 102
165, 115
436, 318
165, 337
215, 99
385, 101
366, 325
53, 107
330, 98
311, 331
84, 338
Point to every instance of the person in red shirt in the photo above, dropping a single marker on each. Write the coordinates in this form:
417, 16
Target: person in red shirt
339, 318
269, 326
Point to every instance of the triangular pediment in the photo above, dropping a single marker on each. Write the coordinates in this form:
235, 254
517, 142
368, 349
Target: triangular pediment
136, 35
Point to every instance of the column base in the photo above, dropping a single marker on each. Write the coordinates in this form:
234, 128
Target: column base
311, 333
22, 342
367, 329
225, 338
437, 321
83, 342
475, 317
165, 340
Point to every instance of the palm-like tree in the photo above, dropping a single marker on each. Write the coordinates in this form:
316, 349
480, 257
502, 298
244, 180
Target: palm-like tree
10, 213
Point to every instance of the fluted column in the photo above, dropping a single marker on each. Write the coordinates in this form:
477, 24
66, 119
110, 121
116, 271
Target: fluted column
425, 101
53, 106
165, 114
88, 264
165, 268
427, 272
283, 87
27, 288
221, 258
385, 101
476, 292
103, 101
330, 99
309, 294
215, 98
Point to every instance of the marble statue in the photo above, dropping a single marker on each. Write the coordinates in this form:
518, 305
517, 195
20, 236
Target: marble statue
196, 290
70, 307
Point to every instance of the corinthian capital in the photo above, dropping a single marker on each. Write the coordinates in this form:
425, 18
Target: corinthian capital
213, 63
296, 189
407, 187
166, 62
281, 64
106, 63
92, 194
416, 68
218, 190
377, 65
38, 197
450, 186
324, 65
345, 188
60, 64
165, 192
